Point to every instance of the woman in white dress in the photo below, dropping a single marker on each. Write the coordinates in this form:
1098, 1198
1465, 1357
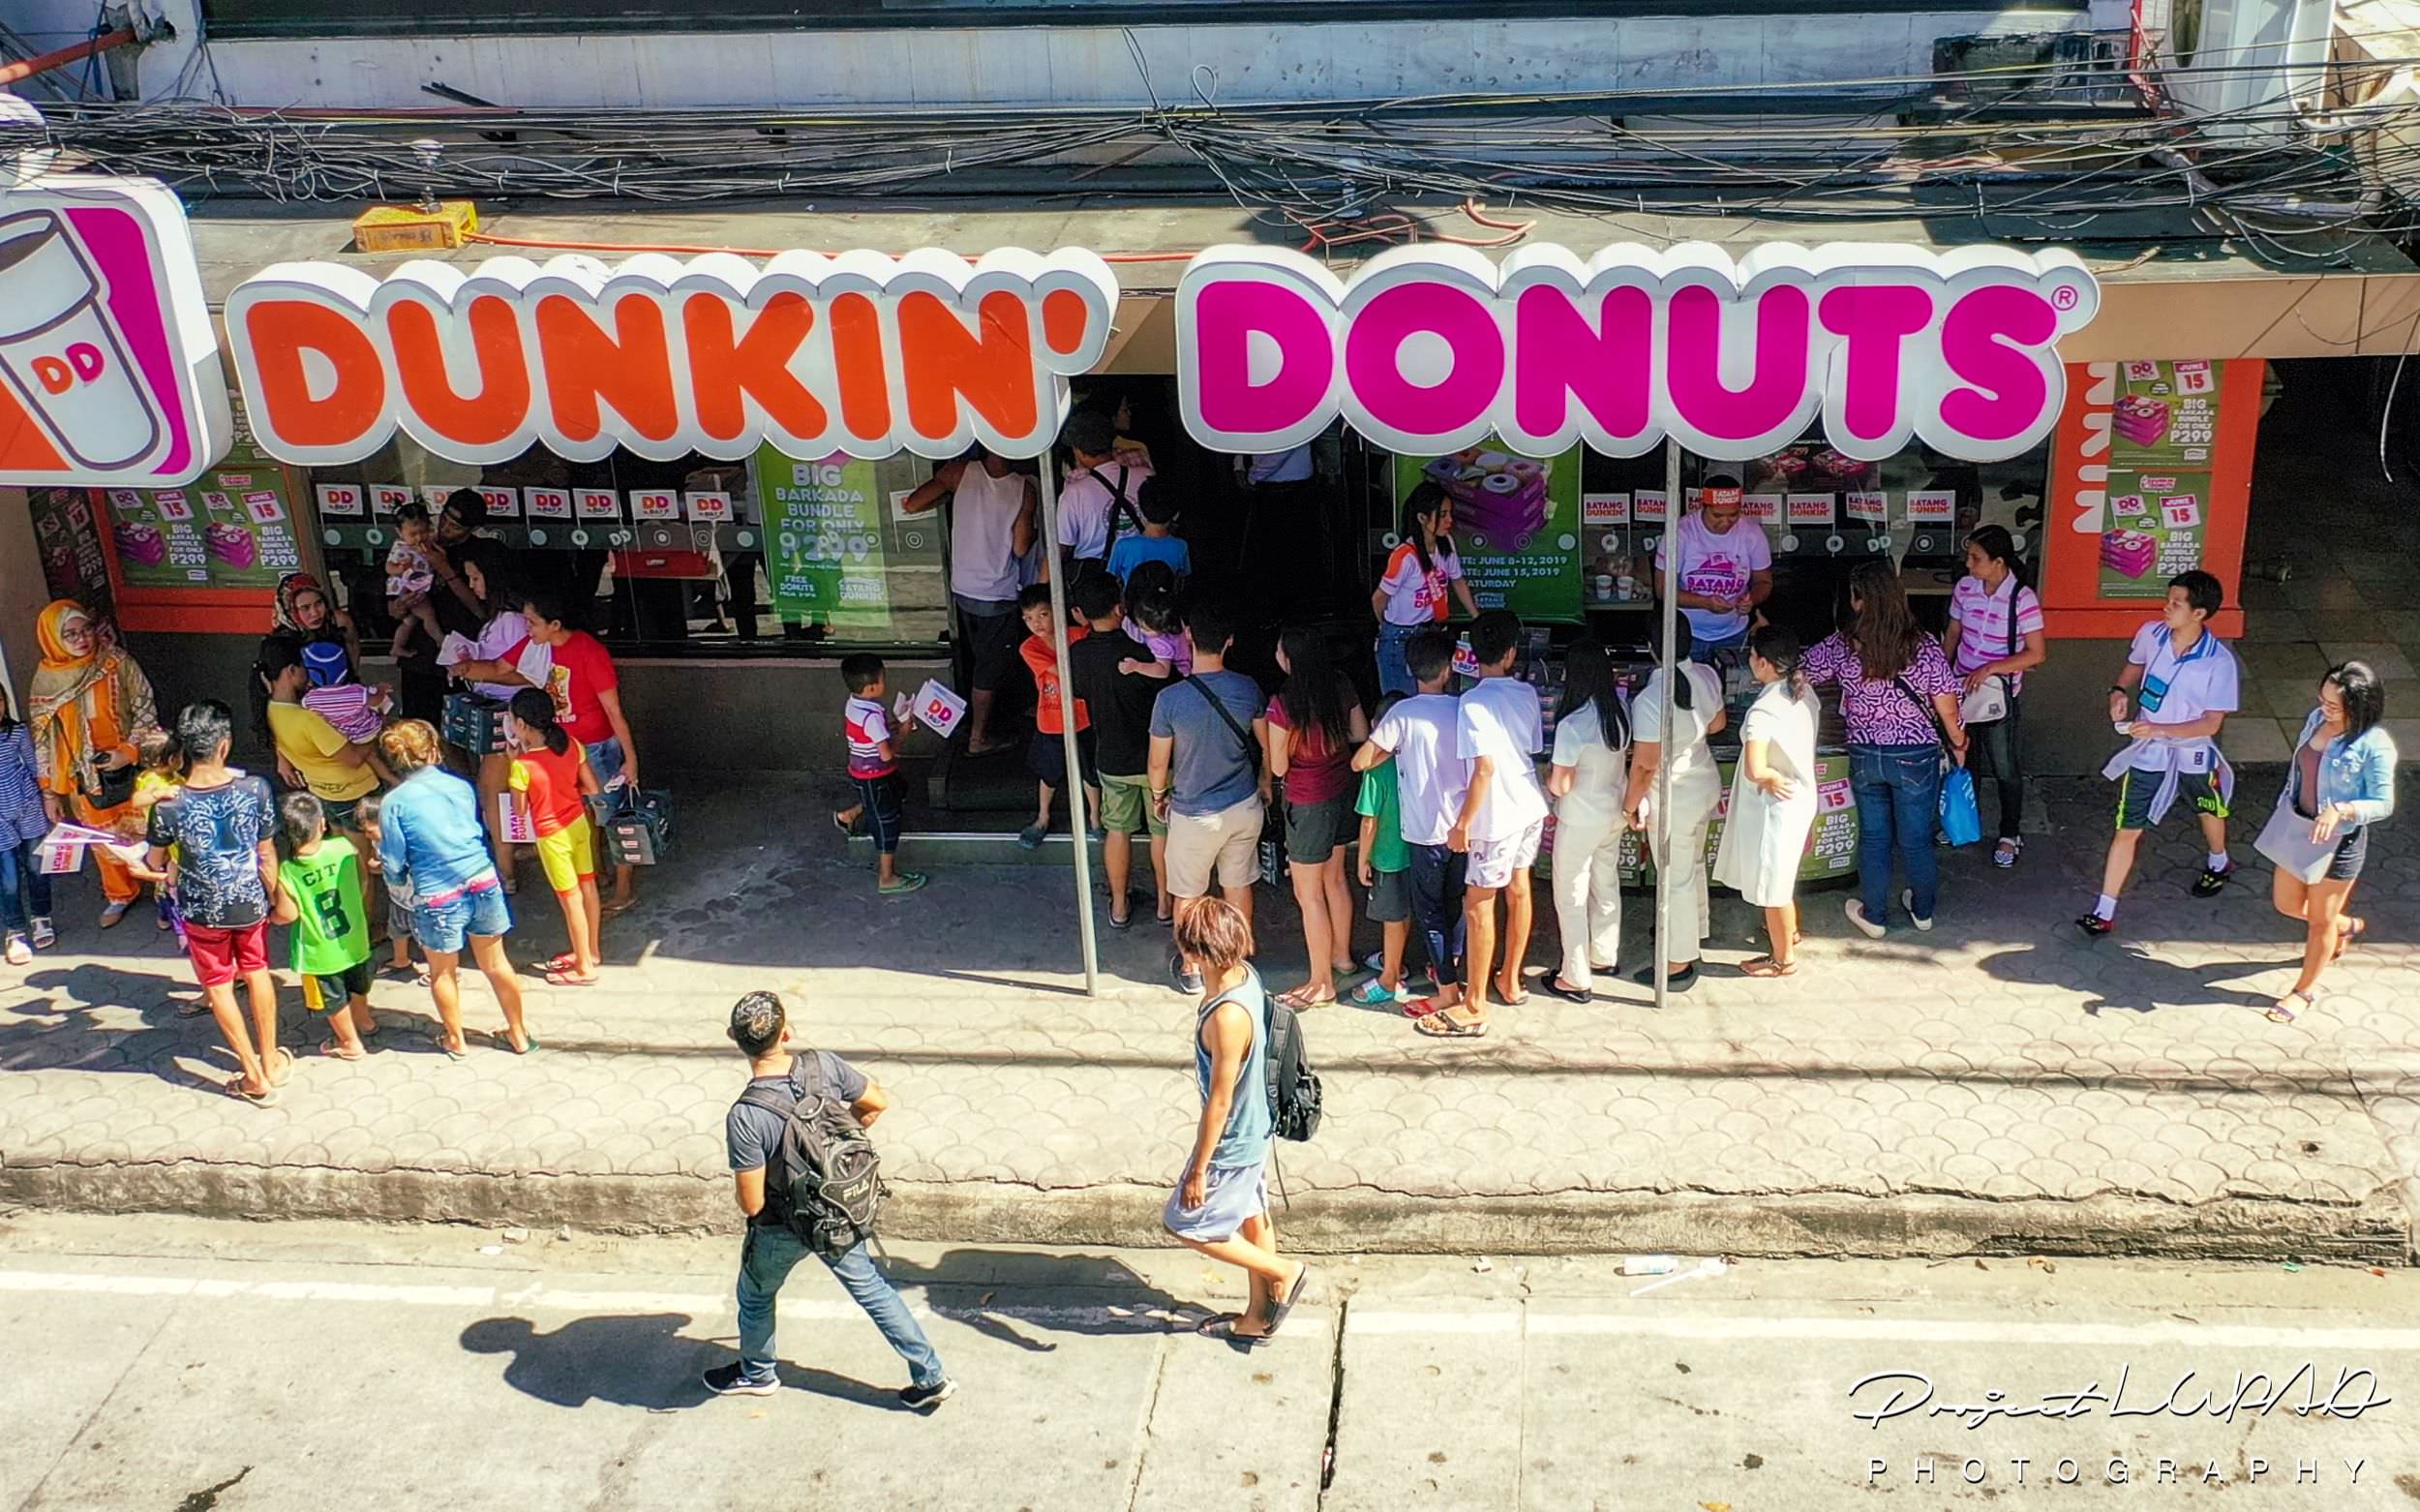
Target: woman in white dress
1772, 797
1697, 711
1591, 742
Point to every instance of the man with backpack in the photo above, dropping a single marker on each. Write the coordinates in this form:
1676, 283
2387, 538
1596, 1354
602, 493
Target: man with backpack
809, 1184
1220, 1205
1208, 731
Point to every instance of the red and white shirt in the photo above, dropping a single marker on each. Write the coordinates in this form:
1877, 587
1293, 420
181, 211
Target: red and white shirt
1414, 597
867, 725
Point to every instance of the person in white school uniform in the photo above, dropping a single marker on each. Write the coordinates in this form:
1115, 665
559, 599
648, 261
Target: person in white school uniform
1591, 754
1697, 786
1501, 824
2180, 681
1772, 797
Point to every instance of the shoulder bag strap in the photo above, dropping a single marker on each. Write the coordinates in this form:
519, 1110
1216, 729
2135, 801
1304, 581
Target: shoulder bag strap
1941, 732
1119, 505
1251, 747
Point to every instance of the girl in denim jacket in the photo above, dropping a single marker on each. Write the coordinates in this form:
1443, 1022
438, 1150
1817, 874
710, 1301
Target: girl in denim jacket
2341, 781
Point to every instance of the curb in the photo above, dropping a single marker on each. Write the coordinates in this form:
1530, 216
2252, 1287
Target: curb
2375, 1232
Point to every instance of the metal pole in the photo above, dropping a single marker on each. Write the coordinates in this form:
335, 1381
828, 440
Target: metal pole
1049, 482
1672, 666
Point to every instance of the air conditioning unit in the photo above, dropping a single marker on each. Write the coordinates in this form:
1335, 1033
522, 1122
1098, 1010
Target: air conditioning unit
2247, 70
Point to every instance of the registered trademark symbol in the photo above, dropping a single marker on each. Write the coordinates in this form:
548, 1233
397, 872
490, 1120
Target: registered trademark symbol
2064, 298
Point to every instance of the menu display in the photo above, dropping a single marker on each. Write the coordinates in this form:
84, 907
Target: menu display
2160, 475
232, 529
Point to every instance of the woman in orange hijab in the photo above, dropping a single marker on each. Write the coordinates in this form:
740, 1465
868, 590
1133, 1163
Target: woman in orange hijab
89, 703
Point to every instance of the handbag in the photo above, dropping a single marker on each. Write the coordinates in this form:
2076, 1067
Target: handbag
114, 788
2286, 840
1961, 819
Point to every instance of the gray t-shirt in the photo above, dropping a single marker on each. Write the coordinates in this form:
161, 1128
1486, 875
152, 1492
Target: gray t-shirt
1212, 770
754, 1133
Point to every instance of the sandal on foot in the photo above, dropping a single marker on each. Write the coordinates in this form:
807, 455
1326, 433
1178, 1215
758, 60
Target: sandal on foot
266, 1097
1555, 987
1445, 1026
906, 882
1222, 1327
339, 1053
282, 1071
1293, 1294
1766, 966
565, 978
114, 915
1299, 1000
200, 1008
2005, 854
2281, 1013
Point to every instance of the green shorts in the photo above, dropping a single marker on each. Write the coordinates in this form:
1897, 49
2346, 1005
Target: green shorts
1126, 807
2196, 790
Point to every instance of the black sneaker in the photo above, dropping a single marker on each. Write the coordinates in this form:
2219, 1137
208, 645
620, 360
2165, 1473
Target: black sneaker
2095, 926
734, 1381
2210, 883
1182, 976
923, 1399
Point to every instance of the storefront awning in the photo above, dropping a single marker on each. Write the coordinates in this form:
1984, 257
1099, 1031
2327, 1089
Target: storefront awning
2169, 290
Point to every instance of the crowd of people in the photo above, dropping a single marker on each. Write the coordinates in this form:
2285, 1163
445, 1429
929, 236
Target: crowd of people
369, 830
1434, 800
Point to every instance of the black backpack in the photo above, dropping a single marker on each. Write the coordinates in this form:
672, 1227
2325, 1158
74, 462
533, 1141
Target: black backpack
1293, 1086
824, 1180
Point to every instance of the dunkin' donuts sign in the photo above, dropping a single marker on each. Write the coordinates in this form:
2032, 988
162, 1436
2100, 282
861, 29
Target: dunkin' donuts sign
1425, 350
109, 369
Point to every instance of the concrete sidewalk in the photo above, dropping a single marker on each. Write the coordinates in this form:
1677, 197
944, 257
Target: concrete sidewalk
1998, 1085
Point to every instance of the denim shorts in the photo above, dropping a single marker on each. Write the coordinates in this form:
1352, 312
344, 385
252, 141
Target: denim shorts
443, 926
605, 758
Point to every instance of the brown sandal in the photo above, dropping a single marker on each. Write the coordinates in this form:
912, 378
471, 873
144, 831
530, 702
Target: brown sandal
1766, 966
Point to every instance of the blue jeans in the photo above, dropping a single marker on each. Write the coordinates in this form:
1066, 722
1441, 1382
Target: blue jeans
1898, 804
24, 889
1701, 650
766, 1262
1394, 671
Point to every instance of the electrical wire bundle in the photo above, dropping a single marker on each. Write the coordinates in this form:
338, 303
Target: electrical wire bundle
2046, 150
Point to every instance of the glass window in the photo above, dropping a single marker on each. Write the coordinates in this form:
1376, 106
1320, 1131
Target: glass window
693, 556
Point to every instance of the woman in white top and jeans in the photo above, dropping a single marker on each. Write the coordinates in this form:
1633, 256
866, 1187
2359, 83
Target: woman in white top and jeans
1592, 752
1697, 711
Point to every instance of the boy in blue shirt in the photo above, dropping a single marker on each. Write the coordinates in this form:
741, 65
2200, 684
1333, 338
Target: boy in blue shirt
1157, 542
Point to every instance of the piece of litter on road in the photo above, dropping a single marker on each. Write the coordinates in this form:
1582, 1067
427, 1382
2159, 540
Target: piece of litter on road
563, 1232
1980, 1266
1484, 1266
1649, 1264
516, 1236
2292, 1266
2049, 1267
1715, 1506
1712, 1265
490, 1248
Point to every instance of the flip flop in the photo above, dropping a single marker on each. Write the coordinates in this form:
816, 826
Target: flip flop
197, 1008
563, 962
1423, 1008
286, 1061
1444, 1025
453, 1052
1298, 1002
266, 1097
1223, 1327
1766, 966
611, 909
1127, 923
339, 1053
1285, 1308
114, 915
530, 1043
565, 978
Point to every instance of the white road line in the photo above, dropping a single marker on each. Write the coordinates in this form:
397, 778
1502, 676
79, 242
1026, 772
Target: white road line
1896, 1330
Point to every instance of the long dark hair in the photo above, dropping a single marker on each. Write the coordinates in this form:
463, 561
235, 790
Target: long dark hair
1883, 631
2364, 695
1683, 691
534, 708
1588, 680
1151, 601
1423, 502
1312, 696
279, 654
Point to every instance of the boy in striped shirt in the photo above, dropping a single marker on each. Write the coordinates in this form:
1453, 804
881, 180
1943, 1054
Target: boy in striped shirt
874, 769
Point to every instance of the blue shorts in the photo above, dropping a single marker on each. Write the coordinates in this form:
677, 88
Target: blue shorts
605, 758
1234, 1197
443, 926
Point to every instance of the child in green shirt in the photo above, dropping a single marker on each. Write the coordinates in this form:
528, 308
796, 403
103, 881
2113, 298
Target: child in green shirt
319, 901
1386, 871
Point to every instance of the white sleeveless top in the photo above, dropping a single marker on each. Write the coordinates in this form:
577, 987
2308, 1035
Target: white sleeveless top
982, 533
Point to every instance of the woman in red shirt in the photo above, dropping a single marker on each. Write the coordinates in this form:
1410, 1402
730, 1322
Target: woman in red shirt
1315, 722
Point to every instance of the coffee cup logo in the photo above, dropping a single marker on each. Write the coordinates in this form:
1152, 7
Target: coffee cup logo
63, 353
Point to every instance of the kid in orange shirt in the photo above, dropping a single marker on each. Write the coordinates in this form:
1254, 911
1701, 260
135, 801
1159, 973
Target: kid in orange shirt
1049, 753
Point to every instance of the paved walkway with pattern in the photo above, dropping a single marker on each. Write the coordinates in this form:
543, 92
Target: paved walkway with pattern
1998, 1084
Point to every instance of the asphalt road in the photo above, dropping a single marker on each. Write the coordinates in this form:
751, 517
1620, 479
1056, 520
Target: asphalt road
188, 1366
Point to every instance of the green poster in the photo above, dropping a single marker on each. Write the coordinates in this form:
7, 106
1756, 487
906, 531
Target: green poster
824, 540
1831, 846
2159, 466
233, 526
1517, 522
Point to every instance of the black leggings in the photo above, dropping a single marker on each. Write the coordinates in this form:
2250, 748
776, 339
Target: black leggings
1995, 754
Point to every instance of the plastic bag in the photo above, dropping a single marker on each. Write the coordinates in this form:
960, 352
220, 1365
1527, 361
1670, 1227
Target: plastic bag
1962, 817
